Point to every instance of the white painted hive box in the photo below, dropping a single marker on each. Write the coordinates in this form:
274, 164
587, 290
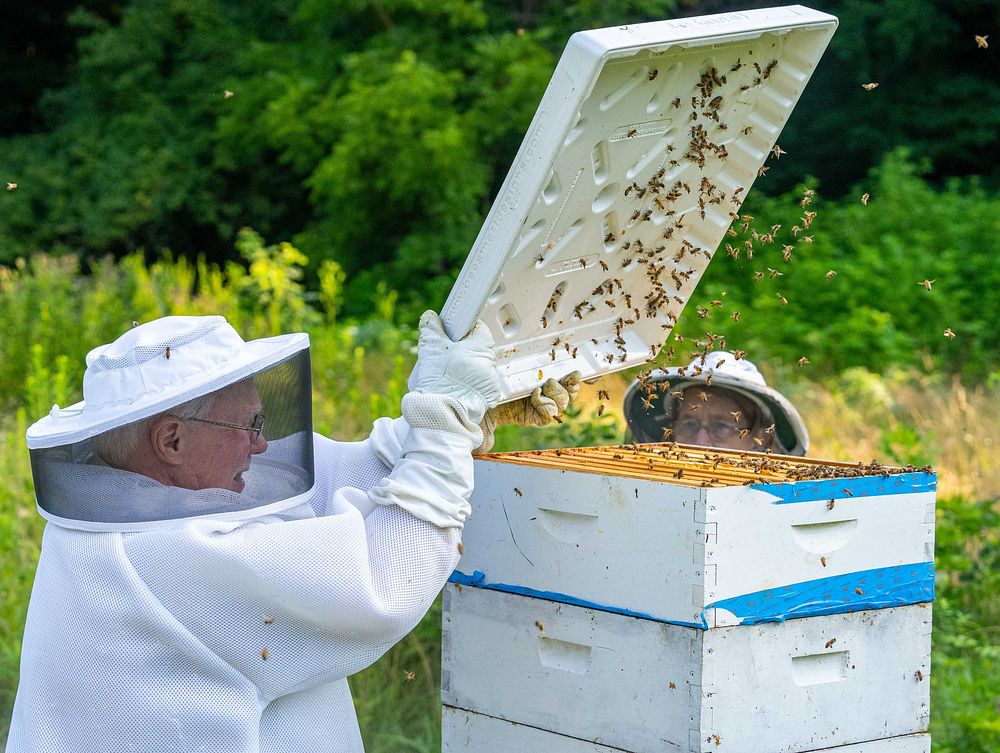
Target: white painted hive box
467, 732
648, 687
613, 528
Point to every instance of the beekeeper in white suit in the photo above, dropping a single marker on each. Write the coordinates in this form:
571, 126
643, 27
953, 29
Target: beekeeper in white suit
212, 571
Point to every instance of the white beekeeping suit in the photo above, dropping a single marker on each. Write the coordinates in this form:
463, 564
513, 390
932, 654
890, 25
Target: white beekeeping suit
217, 601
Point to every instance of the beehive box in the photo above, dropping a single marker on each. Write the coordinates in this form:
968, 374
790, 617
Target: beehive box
697, 537
467, 732
647, 687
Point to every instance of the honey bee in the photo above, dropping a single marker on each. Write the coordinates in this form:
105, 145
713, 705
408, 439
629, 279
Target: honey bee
676, 103
869, 87
859, 592
758, 276
831, 504
539, 259
603, 264
653, 73
702, 312
600, 409
226, 95
830, 275
773, 273
461, 549
918, 675
829, 643
803, 361
864, 199
777, 151
736, 415
631, 133
949, 334
609, 238
583, 263
981, 42
545, 322
806, 239
927, 283
167, 351
553, 354
739, 354
518, 492
635, 215
744, 432
540, 625
784, 301
264, 653
409, 677
822, 561
11, 186
268, 620
762, 170
574, 352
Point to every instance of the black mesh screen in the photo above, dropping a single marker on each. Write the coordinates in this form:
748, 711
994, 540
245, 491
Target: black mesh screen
202, 457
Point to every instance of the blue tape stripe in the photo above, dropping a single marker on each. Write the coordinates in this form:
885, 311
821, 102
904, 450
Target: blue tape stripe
838, 488
867, 589
879, 588
478, 579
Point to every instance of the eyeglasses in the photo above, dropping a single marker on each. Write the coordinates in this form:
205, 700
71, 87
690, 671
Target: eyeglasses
720, 431
255, 428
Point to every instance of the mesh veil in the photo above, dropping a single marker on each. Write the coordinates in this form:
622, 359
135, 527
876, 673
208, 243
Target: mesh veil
200, 457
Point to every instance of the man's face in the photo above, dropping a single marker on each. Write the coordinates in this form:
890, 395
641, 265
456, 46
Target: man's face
712, 417
215, 457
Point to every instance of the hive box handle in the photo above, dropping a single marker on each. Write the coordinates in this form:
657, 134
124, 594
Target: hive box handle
823, 538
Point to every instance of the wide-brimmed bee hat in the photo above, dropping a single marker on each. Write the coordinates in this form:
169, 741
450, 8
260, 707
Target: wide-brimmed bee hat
649, 414
155, 366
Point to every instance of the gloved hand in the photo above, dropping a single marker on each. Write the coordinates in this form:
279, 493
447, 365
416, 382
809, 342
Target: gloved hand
465, 371
543, 406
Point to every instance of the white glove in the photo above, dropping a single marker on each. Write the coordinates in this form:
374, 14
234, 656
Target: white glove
465, 371
543, 406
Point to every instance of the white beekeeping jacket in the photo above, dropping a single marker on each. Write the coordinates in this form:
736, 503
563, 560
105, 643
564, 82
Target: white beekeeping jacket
236, 631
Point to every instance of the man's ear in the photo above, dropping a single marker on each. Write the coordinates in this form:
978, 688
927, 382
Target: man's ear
168, 437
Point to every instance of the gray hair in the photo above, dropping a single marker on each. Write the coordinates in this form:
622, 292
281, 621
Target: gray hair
116, 445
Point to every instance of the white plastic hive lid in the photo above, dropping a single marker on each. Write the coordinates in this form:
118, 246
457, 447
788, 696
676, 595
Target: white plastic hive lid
646, 140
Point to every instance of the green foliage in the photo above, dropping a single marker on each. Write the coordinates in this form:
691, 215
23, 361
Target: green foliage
576, 430
966, 657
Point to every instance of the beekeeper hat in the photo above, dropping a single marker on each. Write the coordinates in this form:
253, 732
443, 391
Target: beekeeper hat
156, 366
725, 370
